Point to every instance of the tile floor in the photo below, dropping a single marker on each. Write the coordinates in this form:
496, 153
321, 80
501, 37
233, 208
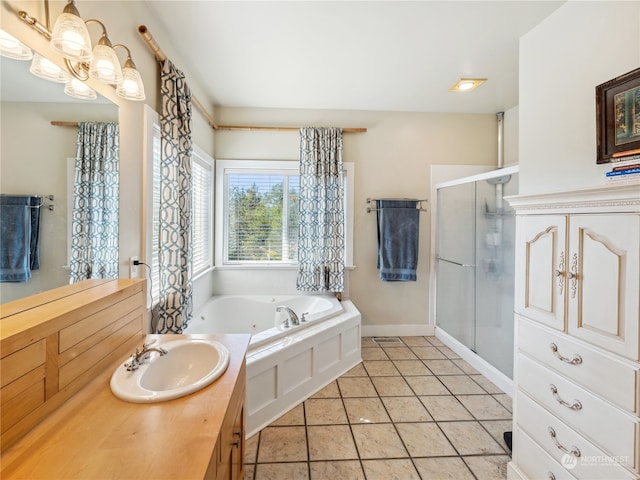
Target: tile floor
410, 411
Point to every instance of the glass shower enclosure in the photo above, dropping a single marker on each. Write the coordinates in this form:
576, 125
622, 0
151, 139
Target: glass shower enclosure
475, 255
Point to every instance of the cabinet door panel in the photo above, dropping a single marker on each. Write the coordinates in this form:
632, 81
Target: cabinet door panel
603, 296
540, 265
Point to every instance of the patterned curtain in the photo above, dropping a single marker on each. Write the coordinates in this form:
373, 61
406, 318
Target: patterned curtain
175, 306
321, 237
94, 222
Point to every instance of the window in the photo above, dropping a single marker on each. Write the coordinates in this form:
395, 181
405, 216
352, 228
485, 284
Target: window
258, 212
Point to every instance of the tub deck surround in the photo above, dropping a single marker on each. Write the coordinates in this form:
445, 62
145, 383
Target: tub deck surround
95, 435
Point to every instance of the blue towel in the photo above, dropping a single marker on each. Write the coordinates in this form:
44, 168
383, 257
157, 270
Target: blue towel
20, 237
398, 228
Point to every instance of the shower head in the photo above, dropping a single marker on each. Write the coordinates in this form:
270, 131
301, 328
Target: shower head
499, 180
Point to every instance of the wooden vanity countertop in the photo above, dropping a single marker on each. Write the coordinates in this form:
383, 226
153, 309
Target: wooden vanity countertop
95, 435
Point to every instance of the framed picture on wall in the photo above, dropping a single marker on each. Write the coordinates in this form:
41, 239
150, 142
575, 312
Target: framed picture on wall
618, 117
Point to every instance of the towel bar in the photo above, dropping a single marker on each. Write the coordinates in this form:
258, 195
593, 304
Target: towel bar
419, 202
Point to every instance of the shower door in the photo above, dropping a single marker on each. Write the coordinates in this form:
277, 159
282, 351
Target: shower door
475, 267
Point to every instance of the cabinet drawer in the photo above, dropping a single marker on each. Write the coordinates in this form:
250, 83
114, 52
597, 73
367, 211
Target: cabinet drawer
622, 377
604, 424
535, 462
565, 445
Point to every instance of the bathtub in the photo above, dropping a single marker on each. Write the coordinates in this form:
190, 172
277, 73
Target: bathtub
285, 365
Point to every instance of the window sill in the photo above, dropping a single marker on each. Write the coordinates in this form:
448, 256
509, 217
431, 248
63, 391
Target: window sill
291, 267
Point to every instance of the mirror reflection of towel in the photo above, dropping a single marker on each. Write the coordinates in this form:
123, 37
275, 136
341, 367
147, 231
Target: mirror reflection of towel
19, 237
398, 228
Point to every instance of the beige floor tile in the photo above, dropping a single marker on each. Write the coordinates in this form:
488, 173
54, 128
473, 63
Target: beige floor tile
461, 385
443, 468
248, 472
366, 410
435, 342
449, 353
381, 368
399, 353
251, 449
497, 428
330, 391
391, 386
443, 367
428, 353
445, 408
426, 385
374, 354
487, 384
282, 444
390, 470
425, 440
411, 367
378, 441
331, 442
470, 438
325, 411
356, 387
505, 400
295, 416
406, 409
337, 470
282, 471
415, 341
367, 342
484, 407
465, 367
488, 467
357, 371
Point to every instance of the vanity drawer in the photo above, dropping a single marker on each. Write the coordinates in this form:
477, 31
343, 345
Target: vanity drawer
535, 462
563, 444
614, 430
582, 363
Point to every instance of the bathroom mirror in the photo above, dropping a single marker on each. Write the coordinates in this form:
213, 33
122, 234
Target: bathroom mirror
35, 159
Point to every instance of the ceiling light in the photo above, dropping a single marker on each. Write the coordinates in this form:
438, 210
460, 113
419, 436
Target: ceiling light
44, 68
11, 47
467, 84
131, 86
77, 89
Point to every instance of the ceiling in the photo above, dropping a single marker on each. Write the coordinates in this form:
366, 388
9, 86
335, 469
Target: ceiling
350, 55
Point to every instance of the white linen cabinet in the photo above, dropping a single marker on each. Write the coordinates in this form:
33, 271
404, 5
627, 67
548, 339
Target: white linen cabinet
577, 370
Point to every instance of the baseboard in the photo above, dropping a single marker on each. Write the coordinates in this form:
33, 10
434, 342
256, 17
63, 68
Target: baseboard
514, 473
492, 373
397, 330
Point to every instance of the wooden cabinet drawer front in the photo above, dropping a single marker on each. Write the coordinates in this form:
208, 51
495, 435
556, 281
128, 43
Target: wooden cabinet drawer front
590, 461
22, 362
622, 378
535, 462
612, 429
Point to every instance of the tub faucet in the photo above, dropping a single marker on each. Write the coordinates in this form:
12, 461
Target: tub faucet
292, 314
140, 356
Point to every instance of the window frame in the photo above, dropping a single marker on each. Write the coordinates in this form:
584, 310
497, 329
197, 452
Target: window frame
222, 166
202, 157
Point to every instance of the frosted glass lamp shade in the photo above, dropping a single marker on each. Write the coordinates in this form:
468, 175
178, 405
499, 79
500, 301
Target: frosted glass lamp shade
45, 68
77, 89
131, 87
11, 47
70, 38
105, 65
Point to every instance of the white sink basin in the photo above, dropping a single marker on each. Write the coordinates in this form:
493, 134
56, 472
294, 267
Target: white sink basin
188, 366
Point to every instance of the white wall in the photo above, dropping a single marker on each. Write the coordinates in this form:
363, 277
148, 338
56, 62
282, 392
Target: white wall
562, 60
392, 159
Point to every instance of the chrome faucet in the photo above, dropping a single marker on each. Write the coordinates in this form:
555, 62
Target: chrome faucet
292, 315
140, 356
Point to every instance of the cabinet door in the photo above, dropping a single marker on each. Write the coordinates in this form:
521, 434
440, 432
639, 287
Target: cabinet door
540, 268
603, 291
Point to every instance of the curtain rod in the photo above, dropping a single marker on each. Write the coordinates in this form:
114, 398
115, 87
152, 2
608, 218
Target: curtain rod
160, 55
58, 123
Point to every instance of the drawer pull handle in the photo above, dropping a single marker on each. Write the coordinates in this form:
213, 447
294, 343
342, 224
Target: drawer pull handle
551, 476
575, 451
576, 360
236, 444
576, 405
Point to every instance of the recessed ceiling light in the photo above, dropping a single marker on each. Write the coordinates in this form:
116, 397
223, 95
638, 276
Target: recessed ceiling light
467, 84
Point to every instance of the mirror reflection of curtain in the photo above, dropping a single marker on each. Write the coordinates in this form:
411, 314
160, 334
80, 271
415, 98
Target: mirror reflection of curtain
321, 242
94, 224
175, 306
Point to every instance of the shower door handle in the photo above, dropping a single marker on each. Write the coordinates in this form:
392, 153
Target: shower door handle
466, 265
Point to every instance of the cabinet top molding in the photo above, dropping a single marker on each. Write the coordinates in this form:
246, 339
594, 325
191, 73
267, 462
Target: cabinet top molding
623, 199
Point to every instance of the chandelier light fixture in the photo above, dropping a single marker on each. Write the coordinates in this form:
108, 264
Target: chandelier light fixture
70, 38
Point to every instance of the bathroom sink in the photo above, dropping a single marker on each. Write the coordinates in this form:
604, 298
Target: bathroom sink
188, 366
